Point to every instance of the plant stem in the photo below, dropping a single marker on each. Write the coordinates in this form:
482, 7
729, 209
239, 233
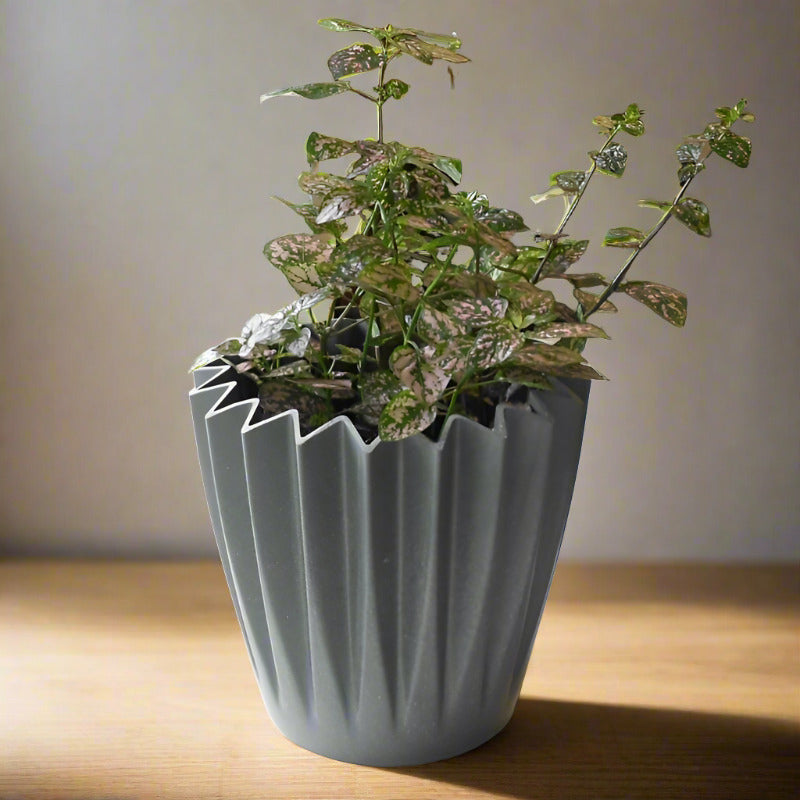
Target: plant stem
418, 310
618, 278
571, 207
381, 98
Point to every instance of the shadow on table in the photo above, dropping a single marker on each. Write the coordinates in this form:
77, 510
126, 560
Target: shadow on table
566, 750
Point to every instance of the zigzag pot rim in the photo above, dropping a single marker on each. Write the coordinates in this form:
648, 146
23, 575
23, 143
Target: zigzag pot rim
208, 380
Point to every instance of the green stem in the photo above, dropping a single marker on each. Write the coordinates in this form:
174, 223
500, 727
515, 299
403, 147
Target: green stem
381, 99
367, 338
620, 276
433, 284
455, 395
571, 208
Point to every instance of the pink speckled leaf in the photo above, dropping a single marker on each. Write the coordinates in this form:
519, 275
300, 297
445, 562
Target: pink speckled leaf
353, 60
668, 303
299, 255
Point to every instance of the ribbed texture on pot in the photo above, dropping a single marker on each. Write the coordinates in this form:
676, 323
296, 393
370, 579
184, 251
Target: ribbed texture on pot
389, 594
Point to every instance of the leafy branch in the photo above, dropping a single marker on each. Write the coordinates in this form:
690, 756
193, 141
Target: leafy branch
415, 301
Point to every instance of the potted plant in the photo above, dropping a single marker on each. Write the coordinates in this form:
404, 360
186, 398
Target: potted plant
389, 460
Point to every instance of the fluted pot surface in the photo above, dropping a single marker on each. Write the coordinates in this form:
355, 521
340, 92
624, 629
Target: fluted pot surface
389, 593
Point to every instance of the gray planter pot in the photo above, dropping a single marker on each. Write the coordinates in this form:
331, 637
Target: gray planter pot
389, 594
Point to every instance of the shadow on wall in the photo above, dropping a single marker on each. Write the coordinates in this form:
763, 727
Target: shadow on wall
557, 749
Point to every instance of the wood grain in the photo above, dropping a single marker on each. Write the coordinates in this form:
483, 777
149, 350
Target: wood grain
130, 680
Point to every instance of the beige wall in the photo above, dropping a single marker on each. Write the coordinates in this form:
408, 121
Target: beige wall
135, 172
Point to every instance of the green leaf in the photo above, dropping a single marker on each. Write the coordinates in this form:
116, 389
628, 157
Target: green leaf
403, 416
589, 300
425, 51
571, 330
309, 213
623, 237
631, 120
448, 40
605, 123
693, 150
670, 304
310, 91
569, 181
563, 255
320, 147
502, 220
377, 389
298, 256
554, 191
585, 280
694, 214
611, 160
395, 88
343, 25
354, 60
661, 205
688, 171
733, 147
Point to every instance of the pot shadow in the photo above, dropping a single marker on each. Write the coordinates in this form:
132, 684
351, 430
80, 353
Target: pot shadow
558, 749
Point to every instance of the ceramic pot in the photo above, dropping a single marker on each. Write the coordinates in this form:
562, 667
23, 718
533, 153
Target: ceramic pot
388, 593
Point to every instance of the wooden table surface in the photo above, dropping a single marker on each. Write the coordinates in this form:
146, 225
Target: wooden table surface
130, 680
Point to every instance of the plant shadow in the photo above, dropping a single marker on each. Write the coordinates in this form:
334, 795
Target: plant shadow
558, 749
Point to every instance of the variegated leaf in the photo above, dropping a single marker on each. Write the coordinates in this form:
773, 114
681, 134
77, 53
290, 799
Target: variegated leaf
611, 160
451, 167
370, 153
473, 311
310, 91
393, 281
693, 151
436, 325
352, 60
589, 300
624, 237
502, 220
694, 215
733, 148
569, 181
228, 347
353, 255
320, 147
563, 255
403, 416
299, 255
528, 298
668, 303
281, 394
584, 371
323, 184
494, 344
340, 206
571, 330
426, 380
545, 357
